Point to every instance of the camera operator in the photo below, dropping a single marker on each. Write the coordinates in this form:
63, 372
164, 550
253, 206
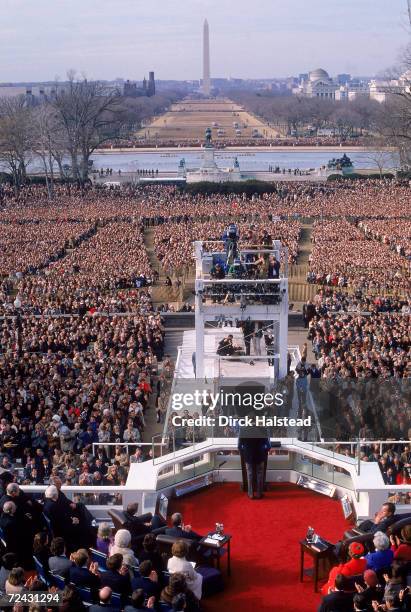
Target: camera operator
226, 347
217, 272
231, 237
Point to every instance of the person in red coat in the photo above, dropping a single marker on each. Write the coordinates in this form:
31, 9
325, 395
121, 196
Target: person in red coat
401, 547
356, 565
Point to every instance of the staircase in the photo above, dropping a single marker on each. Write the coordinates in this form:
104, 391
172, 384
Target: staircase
175, 326
160, 293
305, 244
173, 339
299, 290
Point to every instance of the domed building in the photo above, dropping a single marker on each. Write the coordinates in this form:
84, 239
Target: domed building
318, 85
318, 74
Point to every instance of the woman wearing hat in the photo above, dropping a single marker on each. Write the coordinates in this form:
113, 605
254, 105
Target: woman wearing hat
356, 565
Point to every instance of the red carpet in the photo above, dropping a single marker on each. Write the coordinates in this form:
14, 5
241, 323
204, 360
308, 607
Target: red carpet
265, 552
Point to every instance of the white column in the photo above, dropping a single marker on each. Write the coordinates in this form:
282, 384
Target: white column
283, 336
199, 348
206, 59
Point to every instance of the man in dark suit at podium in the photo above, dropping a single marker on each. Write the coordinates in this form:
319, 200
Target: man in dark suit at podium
254, 444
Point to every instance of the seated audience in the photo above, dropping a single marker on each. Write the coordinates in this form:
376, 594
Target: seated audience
136, 526
177, 585
122, 546
82, 573
8, 561
104, 605
147, 580
41, 549
104, 538
360, 603
117, 576
372, 590
71, 600
15, 581
392, 603
395, 579
338, 599
59, 563
383, 555
179, 530
179, 564
150, 553
138, 601
401, 547
384, 518
356, 565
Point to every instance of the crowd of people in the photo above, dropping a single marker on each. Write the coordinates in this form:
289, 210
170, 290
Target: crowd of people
174, 248
78, 381
396, 235
375, 574
222, 142
26, 247
52, 544
344, 256
82, 348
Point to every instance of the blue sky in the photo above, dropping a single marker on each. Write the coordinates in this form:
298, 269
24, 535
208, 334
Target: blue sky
42, 39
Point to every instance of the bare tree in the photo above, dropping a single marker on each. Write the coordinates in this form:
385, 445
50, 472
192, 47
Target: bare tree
381, 155
16, 142
44, 126
395, 117
89, 114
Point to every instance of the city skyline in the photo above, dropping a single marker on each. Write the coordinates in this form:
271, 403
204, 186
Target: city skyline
41, 41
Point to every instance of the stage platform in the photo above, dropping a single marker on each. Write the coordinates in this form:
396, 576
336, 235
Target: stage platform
222, 367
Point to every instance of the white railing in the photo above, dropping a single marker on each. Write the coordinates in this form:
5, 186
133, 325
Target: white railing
295, 457
122, 445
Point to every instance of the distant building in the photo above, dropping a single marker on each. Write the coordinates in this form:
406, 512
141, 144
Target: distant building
380, 90
131, 89
318, 85
151, 87
352, 91
343, 79
34, 94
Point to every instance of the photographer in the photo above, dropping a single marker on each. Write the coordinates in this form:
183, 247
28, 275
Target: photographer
230, 238
217, 272
226, 347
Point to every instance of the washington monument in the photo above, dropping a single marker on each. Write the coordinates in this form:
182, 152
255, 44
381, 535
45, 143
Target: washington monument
206, 59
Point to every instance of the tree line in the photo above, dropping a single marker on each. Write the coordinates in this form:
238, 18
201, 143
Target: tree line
386, 124
64, 130
297, 112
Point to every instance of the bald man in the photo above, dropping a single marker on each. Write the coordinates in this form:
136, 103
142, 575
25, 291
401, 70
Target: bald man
104, 604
